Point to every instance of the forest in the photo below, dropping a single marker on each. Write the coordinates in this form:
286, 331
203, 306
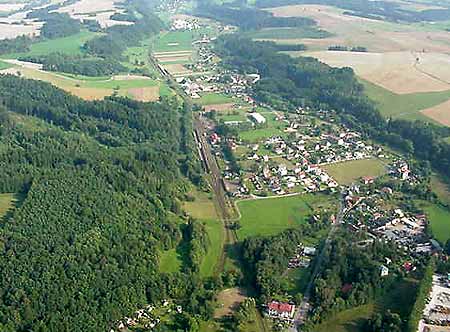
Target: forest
290, 83
101, 183
16, 45
80, 65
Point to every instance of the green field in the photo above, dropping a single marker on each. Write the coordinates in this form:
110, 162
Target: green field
7, 203
216, 235
274, 215
439, 218
4, 65
69, 45
214, 99
122, 84
399, 299
170, 261
351, 320
350, 171
441, 188
407, 106
174, 41
202, 209
288, 33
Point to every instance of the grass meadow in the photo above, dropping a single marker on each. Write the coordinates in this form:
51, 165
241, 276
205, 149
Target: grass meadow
71, 45
406, 106
265, 217
350, 171
214, 99
7, 203
439, 218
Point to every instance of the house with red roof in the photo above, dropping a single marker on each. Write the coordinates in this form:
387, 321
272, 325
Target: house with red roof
281, 310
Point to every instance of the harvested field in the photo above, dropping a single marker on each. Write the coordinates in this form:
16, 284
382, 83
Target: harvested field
377, 36
9, 7
177, 69
439, 113
228, 300
145, 94
9, 31
399, 72
219, 107
88, 93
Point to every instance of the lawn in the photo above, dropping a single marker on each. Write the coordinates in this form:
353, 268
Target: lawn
216, 234
214, 99
441, 188
351, 320
174, 41
439, 218
350, 171
7, 203
202, 208
274, 215
170, 261
407, 106
71, 45
255, 135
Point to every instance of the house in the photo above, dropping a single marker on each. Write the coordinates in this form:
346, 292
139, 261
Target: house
257, 118
368, 179
384, 271
281, 310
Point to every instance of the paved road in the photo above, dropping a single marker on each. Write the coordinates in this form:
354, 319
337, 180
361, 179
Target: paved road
304, 306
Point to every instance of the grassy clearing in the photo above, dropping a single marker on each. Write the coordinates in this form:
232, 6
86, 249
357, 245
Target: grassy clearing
202, 208
406, 106
214, 98
7, 203
216, 236
228, 300
351, 320
349, 172
271, 216
441, 188
71, 45
170, 261
174, 41
296, 281
439, 218
4, 65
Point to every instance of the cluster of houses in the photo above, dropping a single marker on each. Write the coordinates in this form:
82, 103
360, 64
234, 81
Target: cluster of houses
187, 24
148, 317
302, 257
366, 211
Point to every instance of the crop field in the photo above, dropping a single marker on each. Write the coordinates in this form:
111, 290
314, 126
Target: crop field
350, 171
139, 87
278, 34
398, 72
68, 45
439, 219
376, 35
439, 113
274, 215
408, 106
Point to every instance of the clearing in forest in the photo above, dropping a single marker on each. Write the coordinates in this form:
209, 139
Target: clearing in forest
228, 300
347, 172
7, 203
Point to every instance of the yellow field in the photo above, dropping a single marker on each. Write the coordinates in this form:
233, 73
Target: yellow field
439, 113
399, 72
376, 35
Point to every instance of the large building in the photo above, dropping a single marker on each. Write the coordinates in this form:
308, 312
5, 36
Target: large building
257, 118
